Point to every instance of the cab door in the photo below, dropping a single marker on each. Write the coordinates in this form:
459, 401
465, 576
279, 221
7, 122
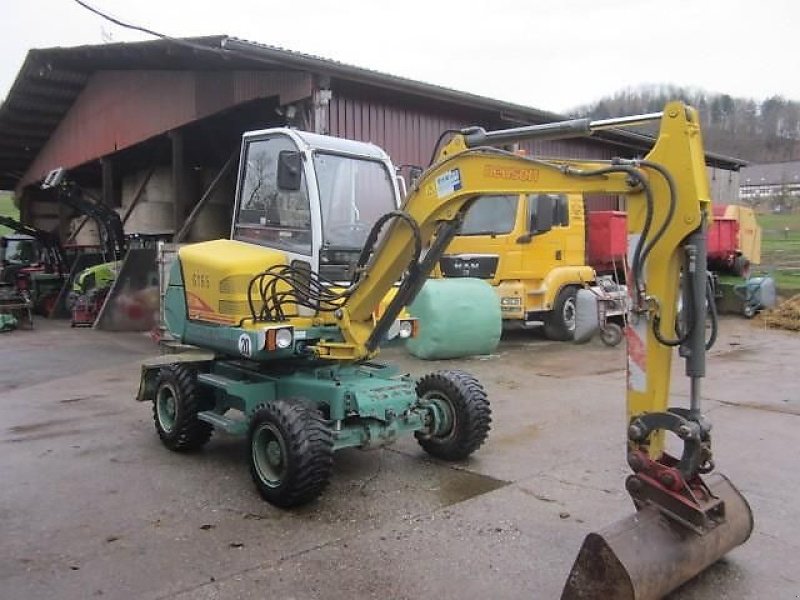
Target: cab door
545, 242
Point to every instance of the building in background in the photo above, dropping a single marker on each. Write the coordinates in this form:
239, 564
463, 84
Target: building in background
771, 185
152, 128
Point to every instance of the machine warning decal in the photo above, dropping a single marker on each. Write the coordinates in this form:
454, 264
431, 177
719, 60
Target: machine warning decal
448, 183
245, 345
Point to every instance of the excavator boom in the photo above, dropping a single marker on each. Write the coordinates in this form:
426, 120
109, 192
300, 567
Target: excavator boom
683, 523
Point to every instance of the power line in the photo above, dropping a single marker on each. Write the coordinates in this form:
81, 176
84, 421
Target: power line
178, 41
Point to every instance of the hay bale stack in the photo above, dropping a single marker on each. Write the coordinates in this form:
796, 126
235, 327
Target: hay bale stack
785, 316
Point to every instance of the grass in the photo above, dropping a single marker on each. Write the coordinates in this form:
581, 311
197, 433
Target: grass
7, 209
780, 250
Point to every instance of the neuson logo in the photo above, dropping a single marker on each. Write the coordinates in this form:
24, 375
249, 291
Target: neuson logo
511, 173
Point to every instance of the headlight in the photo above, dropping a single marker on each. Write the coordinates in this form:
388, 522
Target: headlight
279, 338
283, 339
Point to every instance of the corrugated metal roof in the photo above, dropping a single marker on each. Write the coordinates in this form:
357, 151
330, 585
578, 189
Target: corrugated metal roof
50, 80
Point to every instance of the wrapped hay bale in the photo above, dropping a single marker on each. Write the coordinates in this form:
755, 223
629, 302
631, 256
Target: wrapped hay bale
457, 317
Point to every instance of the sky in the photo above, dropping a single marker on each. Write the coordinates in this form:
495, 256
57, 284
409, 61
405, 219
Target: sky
553, 55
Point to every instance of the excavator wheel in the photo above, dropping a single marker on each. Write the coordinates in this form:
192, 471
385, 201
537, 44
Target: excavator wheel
291, 453
559, 325
175, 406
465, 415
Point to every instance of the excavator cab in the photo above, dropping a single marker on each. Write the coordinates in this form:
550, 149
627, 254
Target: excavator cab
312, 197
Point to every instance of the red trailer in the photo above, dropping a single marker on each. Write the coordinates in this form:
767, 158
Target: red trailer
606, 240
607, 235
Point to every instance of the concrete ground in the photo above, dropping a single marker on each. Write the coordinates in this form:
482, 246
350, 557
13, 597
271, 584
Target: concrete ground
92, 505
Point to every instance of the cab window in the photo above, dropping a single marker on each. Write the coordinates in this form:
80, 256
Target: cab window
267, 215
490, 215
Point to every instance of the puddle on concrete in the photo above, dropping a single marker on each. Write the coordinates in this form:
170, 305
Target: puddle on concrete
456, 486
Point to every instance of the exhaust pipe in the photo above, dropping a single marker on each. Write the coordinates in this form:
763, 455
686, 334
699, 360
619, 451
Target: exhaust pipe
647, 555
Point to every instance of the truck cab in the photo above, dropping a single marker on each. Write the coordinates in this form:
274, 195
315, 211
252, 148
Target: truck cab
532, 248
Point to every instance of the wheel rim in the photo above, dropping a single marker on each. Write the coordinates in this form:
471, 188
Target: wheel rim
269, 455
568, 314
445, 414
166, 408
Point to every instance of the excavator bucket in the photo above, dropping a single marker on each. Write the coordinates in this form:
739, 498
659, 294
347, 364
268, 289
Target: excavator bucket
647, 555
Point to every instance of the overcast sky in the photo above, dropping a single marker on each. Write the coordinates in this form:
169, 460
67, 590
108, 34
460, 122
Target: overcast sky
552, 55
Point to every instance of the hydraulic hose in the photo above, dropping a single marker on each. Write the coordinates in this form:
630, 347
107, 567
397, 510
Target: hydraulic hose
637, 265
712, 311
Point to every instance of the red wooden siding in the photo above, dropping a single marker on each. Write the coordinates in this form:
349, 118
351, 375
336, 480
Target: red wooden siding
118, 109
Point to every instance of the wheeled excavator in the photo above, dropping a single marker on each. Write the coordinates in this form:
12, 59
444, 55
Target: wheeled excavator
287, 357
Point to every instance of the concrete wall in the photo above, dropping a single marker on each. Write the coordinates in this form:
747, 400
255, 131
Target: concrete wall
154, 213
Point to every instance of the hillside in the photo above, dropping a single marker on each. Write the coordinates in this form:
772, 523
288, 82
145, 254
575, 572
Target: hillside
768, 131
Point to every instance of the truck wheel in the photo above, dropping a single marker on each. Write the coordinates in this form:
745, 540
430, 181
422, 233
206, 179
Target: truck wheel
464, 414
560, 323
291, 453
611, 334
175, 406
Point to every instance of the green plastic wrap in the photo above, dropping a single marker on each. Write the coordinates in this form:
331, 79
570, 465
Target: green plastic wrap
457, 317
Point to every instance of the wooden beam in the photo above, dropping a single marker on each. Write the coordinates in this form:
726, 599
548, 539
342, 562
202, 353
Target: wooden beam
138, 193
181, 234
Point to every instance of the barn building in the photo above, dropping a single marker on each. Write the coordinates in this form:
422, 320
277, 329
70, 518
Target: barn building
152, 129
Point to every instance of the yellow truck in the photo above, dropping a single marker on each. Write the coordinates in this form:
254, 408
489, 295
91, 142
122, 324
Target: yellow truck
535, 250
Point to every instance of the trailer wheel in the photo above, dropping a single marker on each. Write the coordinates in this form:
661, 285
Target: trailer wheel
560, 323
463, 414
176, 403
611, 334
291, 453
741, 267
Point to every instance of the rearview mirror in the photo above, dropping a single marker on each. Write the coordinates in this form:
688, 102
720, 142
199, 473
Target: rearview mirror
290, 170
587, 316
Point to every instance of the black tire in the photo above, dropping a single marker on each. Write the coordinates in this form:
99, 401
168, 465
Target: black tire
176, 403
749, 311
559, 325
611, 334
291, 453
467, 414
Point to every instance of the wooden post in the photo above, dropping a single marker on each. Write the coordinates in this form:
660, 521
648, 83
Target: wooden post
109, 196
178, 177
